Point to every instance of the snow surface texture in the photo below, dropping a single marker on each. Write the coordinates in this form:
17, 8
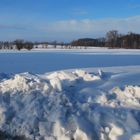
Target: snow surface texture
71, 105
41, 61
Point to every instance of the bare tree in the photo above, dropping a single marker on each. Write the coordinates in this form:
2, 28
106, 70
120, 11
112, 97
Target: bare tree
19, 44
111, 38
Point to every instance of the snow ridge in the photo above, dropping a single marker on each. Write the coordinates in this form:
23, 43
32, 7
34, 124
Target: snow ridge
68, 106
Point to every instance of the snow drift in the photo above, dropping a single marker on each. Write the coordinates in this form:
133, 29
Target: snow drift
70, 106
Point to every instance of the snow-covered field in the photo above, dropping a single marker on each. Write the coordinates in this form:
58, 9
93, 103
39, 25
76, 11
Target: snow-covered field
42, 61
99, 102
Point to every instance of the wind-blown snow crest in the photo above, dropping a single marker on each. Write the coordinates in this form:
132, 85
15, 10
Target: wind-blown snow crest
69, 106
129, 96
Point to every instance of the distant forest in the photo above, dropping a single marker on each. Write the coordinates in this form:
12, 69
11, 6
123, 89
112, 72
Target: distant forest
113, 39
18, 45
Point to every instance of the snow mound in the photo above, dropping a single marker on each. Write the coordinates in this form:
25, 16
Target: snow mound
129, 96
86, 76
74, 75
62, 76
18, 83
57, 79
68, 106
23, 83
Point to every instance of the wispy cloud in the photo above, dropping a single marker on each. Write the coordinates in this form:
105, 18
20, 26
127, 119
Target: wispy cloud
69, 29
91, 28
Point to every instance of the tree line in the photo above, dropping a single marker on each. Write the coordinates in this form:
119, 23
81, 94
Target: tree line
128, 41
89, 42
113, 39
17, 44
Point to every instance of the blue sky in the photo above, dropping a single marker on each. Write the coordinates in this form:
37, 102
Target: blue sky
65, 20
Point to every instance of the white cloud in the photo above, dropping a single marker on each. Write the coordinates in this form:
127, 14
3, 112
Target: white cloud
68, 29
71, 29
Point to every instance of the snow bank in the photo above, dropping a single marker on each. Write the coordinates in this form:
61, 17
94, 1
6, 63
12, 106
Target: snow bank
129, 96
23, 83
86, 76
68, 106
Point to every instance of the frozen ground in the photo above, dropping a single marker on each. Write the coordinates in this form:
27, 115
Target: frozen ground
41, 61
76, 104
